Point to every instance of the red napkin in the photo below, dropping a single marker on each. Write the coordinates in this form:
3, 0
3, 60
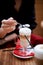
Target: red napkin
19, 50
24, 54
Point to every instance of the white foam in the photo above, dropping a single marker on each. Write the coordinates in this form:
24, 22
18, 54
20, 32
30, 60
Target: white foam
26, 25
38, 49
25, 31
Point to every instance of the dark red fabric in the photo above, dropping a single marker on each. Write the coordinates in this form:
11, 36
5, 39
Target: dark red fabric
36, 39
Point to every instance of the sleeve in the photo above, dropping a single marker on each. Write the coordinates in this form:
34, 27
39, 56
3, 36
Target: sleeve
2, 10
30, 14
5, 9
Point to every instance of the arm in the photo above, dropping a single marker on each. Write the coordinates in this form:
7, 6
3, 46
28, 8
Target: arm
27, 13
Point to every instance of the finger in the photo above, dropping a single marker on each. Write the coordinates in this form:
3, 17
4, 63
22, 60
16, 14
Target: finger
10, 37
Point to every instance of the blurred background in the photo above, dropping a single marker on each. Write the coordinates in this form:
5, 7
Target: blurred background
39, 17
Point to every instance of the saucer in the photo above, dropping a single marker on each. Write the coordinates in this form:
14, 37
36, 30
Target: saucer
23, 57
18, 51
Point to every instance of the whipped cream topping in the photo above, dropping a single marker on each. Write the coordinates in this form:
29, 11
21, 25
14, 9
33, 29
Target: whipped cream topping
25, 31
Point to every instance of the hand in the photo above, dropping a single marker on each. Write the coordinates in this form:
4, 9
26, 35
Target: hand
8, 26
10, 21
2, 33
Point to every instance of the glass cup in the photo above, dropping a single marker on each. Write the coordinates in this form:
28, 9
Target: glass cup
25, 36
